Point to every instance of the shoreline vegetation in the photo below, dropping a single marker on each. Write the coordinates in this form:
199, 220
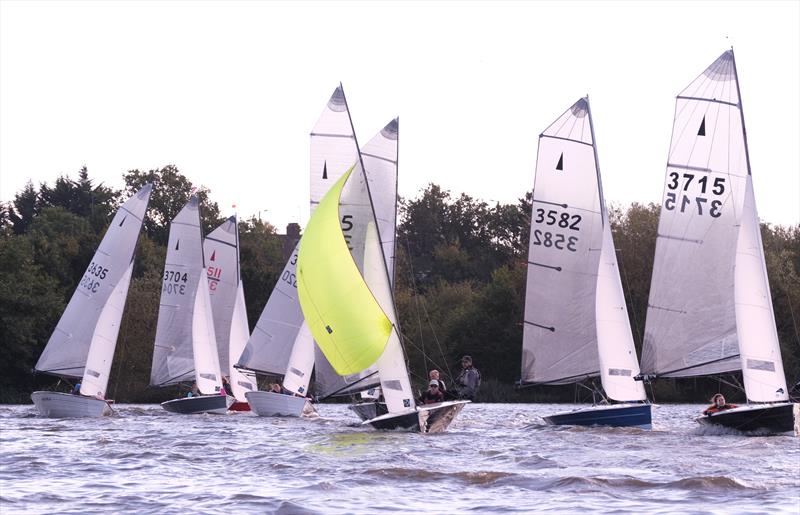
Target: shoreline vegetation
460, 284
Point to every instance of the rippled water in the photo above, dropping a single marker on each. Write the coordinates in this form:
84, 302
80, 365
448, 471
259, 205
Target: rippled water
495, 458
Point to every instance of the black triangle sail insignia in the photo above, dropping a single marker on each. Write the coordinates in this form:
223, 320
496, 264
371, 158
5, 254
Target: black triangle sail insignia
325, 170
560, 165
702, 131
178, 245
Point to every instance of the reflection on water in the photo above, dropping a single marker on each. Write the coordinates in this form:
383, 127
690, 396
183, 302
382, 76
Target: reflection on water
496, 458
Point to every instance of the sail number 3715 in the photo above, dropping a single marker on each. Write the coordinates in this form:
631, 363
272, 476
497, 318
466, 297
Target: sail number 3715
677, 198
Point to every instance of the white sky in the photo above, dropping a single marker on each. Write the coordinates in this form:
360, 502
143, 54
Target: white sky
228, 92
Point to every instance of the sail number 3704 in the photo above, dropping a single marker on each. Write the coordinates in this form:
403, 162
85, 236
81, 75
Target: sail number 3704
175, 282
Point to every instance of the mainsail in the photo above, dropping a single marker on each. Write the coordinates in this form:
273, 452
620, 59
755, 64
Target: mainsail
185, 345
576, 321
221, 252
691, 327
83, 342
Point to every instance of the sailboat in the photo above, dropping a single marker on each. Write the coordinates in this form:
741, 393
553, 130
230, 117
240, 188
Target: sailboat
281, 343
83, 342
710, 309
221, 252
576, 322
347, 299
186, 344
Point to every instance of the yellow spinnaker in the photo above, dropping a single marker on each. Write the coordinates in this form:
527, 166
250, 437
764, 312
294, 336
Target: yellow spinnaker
347, 322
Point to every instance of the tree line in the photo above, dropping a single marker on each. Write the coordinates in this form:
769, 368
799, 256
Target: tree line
460, 268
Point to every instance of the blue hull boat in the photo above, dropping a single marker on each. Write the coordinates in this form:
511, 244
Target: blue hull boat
615, 415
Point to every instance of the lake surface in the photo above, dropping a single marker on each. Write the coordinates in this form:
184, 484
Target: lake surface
496, 458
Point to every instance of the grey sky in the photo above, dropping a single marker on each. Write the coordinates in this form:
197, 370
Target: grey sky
228, 92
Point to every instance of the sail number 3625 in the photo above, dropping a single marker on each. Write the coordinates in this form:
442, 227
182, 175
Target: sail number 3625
678, 199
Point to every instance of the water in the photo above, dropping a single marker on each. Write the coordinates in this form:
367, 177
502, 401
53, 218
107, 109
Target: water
496, 458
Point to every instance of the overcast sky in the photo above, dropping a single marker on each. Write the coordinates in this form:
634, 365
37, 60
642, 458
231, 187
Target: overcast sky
228, 92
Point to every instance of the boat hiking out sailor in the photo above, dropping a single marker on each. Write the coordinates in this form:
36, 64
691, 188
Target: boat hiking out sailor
76, 390
468, 381
718, 404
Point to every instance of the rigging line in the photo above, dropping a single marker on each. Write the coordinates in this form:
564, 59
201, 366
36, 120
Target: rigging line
416, 301
428, 317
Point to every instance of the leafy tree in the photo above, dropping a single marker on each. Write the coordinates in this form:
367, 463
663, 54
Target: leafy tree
81, 198
26, 207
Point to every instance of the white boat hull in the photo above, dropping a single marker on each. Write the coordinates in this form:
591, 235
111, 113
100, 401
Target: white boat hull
780, 418
428, 418
214, 404
271, 404
67, 405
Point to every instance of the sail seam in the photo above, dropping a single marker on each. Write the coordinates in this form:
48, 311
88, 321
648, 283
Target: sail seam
566, 139
712, 100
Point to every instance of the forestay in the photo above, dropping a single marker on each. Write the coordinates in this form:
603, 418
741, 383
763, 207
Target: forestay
691, 318
221, 253
560, 333
177, 327
86, 322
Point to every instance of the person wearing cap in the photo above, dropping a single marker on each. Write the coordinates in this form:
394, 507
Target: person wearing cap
432, 394
433, 375
468, 381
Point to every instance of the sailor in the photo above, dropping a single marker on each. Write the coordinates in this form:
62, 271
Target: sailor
432, 394
468, 381
226, 385
76, 390
433, 375
718, 404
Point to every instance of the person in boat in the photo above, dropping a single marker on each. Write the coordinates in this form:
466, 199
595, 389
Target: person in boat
76, 390
432, 394
718, 404
275, 388
226, 385
433, 375
468, 381
195, 391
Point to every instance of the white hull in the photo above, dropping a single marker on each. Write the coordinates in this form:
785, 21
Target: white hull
270, 404
67, 405
427, 418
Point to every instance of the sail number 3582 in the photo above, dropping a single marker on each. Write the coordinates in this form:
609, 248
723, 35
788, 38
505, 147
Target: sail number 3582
678, 199
555, 219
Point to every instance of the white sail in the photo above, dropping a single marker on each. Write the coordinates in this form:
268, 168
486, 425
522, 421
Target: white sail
242, 381
333, 146
221, 256
173, 360
691, 319
207, 372
221, 253
380, 162
104, 340
360, 230
762, 366
560, 332
618, 362
68, 348
301, 362
269, 347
